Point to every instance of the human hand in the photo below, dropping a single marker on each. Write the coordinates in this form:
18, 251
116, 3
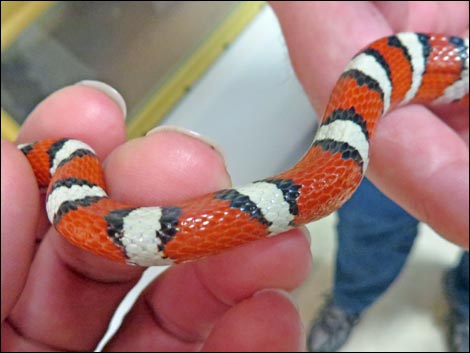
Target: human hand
56, 296
419, 156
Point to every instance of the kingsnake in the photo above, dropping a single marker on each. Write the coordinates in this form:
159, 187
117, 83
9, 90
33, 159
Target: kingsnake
392, 71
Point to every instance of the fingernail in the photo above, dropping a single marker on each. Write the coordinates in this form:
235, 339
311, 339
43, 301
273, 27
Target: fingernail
110, 91
279, 291
190, 133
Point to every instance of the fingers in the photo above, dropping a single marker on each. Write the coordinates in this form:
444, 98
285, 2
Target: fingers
323, 36
174, 166
267, 322
320, 45
421, 163
80, 112
449, 17
185, 305
65, 113
68, 112
20, 205
95, 116
81, 290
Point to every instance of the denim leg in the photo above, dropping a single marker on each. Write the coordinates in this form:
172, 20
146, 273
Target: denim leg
375, 237
456, 286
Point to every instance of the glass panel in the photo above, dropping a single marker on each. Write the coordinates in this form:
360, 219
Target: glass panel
133, 46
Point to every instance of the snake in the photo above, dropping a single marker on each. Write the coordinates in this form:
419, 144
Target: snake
392, 71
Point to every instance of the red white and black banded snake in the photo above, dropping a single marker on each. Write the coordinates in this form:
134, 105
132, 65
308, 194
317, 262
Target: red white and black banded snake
392, 71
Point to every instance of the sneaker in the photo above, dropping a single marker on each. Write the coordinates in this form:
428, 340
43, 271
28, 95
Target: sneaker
457, 333
331, 329
457, 322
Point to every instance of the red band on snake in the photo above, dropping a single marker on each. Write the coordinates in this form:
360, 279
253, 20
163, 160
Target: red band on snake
392, 71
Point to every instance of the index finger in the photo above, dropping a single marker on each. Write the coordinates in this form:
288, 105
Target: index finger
95, 116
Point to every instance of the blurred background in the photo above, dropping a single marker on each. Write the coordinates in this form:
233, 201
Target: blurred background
221, 69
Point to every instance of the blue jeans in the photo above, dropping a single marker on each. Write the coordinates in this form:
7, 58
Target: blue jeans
375, 237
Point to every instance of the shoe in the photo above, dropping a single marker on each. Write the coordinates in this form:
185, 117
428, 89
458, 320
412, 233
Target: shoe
457, 322
457, 333
331, 329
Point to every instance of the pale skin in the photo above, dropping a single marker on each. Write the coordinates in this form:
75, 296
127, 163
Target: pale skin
419, 157
58, 297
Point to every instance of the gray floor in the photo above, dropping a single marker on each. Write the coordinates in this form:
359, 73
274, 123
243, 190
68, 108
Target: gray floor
410, 315
251, 103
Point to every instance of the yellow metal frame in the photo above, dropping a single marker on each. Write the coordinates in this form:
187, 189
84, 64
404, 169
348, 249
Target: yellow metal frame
177, 85
17, 15
9, 126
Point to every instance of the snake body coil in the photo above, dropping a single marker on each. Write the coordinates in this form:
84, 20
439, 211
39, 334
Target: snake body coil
392, 71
